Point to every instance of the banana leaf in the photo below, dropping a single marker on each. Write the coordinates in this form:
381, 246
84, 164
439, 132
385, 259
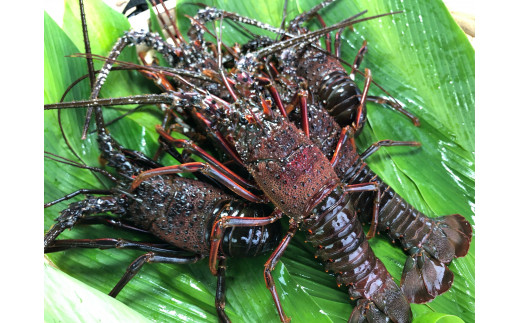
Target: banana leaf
420, 56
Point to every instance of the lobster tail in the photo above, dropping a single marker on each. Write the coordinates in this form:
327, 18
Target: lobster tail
380, 300
343, 247
458, 231
366, 311
449, 238
424, 278
425, 274
432, 243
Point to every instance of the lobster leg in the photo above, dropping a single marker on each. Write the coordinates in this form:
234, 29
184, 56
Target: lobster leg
346, 134
206, 169
150, 257
396, 106
274, 93
362, 108
271, 264
357, 60
305, 114
386, 143
337, 38
337, 42
363, 187
108, 243
220, 296
327, 36
217, 137
183, 159
277, 99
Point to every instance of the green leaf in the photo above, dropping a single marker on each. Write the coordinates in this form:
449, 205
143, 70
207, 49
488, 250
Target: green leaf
438, 318
419, 56
79, 302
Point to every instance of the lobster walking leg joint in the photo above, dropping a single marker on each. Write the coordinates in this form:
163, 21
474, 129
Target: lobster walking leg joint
217, 233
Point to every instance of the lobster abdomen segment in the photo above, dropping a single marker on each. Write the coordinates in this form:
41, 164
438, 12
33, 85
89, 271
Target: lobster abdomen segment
341, 244
327, 78
431, 242
445, 237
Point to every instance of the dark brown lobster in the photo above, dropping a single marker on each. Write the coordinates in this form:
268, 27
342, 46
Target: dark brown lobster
309, 71
301, 182
432, 243
180, 212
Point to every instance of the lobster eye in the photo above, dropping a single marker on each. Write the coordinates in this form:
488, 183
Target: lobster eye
243, 77
242, 120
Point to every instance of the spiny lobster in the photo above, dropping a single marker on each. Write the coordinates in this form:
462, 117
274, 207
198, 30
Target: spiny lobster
432, 243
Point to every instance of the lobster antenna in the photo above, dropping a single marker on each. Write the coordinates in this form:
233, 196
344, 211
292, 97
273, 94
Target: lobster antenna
168, 71
305, 39
243, 30
70, 162
165, 26
90, 65
198, 23
92, 78
163, 70
222, 74
86, 41
284, 16
142, 99
310, 13
219, 60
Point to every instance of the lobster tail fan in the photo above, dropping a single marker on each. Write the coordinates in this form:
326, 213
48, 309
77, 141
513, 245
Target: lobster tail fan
424, 278
385, 302
426, 274
450, 238
366, 311
458, 231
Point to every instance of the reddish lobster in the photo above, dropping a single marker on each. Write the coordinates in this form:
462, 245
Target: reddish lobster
301, 182
431, 242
